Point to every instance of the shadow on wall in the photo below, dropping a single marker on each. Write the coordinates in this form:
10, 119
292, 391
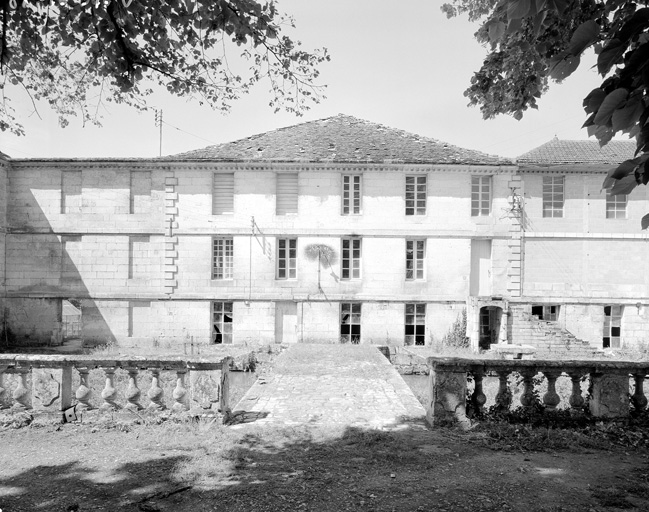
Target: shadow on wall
41, 272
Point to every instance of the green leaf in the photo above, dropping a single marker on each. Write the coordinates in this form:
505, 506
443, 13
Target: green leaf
612, 101
611, 54
517, 9
564, 67
645, 221
585, 35
496, 31
645, 173
638, 22
624, 118
593, 101
624, 186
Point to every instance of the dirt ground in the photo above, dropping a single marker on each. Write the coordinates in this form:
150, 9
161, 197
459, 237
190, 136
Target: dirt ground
203, 466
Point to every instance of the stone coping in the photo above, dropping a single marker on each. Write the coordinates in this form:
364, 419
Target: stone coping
585, 365
80, 361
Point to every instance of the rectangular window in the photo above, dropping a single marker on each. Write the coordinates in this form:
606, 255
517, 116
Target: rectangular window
71, 252
222, 193
286, 193
350, 322
553, 196
222, 322
351, 258
140, 192
415, 259
416, 195
71, 185
612, 326
139, 321
549, 313
480, 196
222, 258
138, 256
616, 205
286, 258
351, 194
415, 324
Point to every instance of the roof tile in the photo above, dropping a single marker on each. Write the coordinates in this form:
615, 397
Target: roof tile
341, 139
557, 152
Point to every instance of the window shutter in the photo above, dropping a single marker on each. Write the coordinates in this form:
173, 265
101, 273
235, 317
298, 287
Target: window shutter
222, 193
286, 193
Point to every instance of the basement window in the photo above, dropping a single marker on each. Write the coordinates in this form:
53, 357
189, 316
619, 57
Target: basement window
549, 313
350, 322
612, 326
222, 322
415, 324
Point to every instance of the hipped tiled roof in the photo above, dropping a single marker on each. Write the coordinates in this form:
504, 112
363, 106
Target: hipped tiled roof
558, 152
341, 139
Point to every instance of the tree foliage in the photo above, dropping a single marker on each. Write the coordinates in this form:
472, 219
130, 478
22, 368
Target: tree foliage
533, 41
76, 54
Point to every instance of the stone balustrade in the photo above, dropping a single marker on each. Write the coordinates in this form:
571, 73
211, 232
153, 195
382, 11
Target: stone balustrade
48, 384
610, 386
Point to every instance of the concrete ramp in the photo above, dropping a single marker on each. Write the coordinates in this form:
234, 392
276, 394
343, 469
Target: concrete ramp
343, 385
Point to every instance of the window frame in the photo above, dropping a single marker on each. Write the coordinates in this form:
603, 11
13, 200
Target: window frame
484, 186
295, 196
350, 265
412, 206
612, 333
552, 205
223, 261
616, 207
347, 308
417, 318
289, 266
417, 270
349, 194
220, 207
225, 336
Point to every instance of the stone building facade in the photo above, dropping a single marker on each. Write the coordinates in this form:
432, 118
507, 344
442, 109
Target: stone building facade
338, 229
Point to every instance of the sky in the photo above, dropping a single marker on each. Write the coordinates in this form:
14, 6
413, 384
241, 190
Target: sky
401, 64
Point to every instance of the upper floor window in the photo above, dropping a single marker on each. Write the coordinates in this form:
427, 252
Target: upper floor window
553, 196
616, 205
480, 196
222, 258
416, 195
222, 322
286, 258
222, 193
140, 192
287, 193
351, 258
351, 194
415, 259
71, 184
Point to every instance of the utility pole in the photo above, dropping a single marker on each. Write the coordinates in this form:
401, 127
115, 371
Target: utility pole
158, 122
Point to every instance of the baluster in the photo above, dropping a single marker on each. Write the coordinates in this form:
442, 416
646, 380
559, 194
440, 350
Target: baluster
478, 397
83, 393
576, 399
180, 392
551, 399
21, 393
527, 398
504, 395
155, 392
109, 392
132, 392
639, 399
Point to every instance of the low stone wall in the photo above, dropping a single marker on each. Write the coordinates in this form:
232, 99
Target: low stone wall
609, 384
69, 385
405, 361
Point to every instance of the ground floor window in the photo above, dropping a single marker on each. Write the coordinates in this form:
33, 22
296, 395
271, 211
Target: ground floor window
612, 326
550, 313
415, 324
222, 322
350, 322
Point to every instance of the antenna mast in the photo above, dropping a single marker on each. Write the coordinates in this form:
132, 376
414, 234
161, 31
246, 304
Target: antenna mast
158, 122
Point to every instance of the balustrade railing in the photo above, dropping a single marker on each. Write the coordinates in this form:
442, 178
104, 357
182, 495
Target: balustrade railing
610, 386
48, 383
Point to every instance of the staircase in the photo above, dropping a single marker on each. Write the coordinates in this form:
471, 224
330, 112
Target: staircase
548, 337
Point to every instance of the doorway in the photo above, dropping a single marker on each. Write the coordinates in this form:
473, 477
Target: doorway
286, 322
490, 319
